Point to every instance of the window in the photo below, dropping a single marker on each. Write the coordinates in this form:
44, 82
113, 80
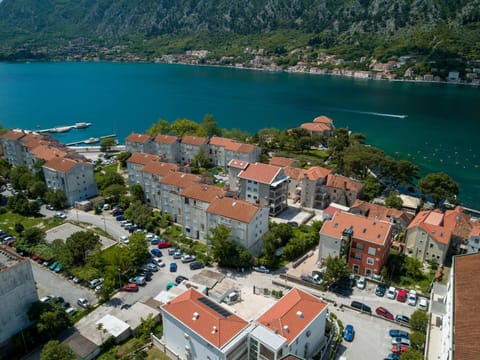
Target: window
370, 261
371, 251
357, 256
359, 246
431, 246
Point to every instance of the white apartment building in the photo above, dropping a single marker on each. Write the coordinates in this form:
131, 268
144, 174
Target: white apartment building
191, 146
223, 150
139, 143
153, 172
168, 147
135, 165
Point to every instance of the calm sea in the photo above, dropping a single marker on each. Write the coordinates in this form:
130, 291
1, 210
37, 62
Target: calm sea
440, 133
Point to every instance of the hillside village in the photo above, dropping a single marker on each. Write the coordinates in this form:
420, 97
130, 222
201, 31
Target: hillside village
248, 196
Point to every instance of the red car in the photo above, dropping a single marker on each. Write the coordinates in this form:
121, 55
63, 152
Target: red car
381, 311
399, 349
131, 287
164, 245
402, 295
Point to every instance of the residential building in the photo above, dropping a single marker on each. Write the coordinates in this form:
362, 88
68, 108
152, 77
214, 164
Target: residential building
18, 292
294, 325
152, 173
191, 146
196, 199
317, 129
235, 167
399, 219
135, 165
473, 243
427, 238
168, 147
139, 143
171, 187
44, 152
222, 150
343, 190
12, 147
196, 327
283, 162
461, 225
364, 242
72, 176
308, 186
265, 185
247, 222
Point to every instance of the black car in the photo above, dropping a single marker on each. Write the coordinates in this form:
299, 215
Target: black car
180, 278
403, 319
361, 306
195, 265
380, 290
146, 274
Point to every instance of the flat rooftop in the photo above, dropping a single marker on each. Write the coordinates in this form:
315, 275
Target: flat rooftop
8, 258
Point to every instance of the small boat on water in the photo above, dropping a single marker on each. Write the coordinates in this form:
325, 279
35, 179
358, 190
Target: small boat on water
60, 129
82, 125
91, 140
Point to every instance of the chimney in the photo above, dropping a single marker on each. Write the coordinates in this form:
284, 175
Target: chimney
195, 315
300, 314
214, 329
285, 328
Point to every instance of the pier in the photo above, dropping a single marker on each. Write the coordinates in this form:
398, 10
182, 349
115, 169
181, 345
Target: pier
66, 128
91, 140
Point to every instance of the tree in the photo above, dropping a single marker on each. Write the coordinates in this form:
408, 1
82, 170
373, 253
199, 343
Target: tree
113, 193
201, 160
417, 339
37, 189
80, 244
419, 321
33, 236
55, 350
21, 177
19, 227
147, 326
51, 318
56, 197
107, 143
139, 214
137, 193
210, 126
123, 157
394, 201
439, 186
412, 354
226, 252
138, 248
371, 187
336, 269
183, 127
160, 127
110, 178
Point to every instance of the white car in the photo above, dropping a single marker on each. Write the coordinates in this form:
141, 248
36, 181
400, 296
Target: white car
60, 215
187, 258
83, 302
362, 282
412, 298
423, 303
391, 292
124, 239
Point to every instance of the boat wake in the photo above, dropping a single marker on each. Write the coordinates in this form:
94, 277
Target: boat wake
398, 116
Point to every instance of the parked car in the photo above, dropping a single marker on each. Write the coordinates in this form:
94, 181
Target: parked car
178, 255
361, 306
53, 265
50, 207
381, 311
170, 285
164, 245
130, 287
173, 267
399, 349
120, 218
195, 265
152, 267
138, 280
180, 278
402, 295
399, 333
402, 319
58, 268
393, 356
156, 252
362, 282
94, 283
124, 239
172, 251
412, 298
47, 298
380, 290
262, 269
155, 240
187, 258
83, 303
60, 215
349, 333
400, 340
423, 303
71, 311
341, 288
391, 293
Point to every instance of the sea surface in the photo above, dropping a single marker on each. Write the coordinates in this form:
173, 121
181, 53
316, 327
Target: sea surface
440, 132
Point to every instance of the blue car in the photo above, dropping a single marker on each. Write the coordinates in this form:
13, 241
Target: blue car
173, 267
58, 268
349, 333
395, 333
155, 240
53, 265
156, 252
393, 356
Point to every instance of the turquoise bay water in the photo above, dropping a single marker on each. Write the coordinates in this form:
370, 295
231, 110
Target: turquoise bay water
440, 133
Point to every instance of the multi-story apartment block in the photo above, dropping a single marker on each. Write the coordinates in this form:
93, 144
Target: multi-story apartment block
343, 190
399, 219
18, 292
13, 149
44, 152
197, 327
168, 147
196, 199
308, 186
365, 243
473, 243
191, 146
247, 222
139, 143
235, 167
265, 185
73, 176
152, 173
135, 165
222, 150
171, 187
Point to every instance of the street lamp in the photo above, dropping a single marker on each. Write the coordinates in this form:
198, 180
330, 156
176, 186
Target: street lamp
119, 278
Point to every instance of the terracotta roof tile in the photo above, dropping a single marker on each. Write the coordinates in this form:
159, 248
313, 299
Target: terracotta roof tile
282, 161
342, 182
466, 316
203, 192
381, 212
459, 222
138, 138
180, 180
238, 164
292, 314
315, 127
475, 228
374, 231
246, 148
294, 173
228, 144
263, 173
194, 140
61, 164
159, 168
166, 139
235, 209
13, 135
323, 119
46, 152
212, 326
142, 158
317, 172
427, 222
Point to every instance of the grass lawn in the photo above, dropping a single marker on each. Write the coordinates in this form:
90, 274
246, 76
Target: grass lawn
9, 219
307, 158
156, 354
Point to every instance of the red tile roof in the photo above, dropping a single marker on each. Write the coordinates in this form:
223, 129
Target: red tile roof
323, 119
203, 192
282, 161
159, 168
317, 172
46, 152
263, 173
342, 182
238, 164
138, 138
61, 164
142, 158
180, 180
294, 173
371, 230
459, 222
226, 143
475, 228
212, 326
166, 139
235, 209
292, 314
194, 140
13, 135
316, 127
426, 221
381, 212
465, 314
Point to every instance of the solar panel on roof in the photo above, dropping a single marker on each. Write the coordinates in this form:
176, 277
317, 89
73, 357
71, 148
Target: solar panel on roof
215, 307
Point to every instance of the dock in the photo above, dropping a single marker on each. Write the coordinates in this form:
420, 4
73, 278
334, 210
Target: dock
66, 128
91, 140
